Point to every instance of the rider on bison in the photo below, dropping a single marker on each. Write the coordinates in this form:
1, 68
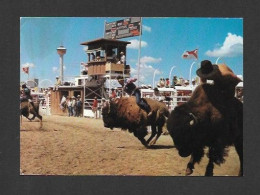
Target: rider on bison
26, 95
130, 88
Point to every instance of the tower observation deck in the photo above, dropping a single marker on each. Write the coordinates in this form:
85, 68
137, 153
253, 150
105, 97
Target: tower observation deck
103, 58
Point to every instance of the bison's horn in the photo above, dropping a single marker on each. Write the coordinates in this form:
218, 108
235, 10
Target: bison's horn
195, 120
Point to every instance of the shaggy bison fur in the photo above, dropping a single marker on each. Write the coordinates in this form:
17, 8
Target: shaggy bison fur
124, 113
207, 119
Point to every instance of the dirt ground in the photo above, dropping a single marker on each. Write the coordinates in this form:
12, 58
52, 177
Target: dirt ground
83, 146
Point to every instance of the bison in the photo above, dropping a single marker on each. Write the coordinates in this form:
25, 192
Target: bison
27, 108
207, 119
124, 113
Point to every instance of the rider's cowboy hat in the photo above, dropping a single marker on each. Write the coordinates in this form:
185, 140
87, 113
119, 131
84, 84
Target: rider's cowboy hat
207, 70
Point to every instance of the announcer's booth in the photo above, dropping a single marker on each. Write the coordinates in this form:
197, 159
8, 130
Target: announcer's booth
104, 56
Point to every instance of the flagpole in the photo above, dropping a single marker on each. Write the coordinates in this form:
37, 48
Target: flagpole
190, 71
154, 77
139, 53
217, 60
171, 72
105, 28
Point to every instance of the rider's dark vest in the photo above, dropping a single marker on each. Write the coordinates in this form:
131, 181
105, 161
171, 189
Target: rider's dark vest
129, 88
27, 92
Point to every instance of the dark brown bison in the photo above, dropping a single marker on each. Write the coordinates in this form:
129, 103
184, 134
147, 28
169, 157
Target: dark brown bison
207, 119
27, 108
124, 113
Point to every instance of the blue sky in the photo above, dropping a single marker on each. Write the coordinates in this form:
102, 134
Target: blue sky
163, 42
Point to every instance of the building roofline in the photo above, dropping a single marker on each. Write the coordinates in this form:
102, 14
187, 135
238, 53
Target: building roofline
104, 40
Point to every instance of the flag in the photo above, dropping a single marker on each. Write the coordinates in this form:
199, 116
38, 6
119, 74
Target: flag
25, 70
190, 54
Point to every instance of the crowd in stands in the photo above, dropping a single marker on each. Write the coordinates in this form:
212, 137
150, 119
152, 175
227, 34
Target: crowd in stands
165, 82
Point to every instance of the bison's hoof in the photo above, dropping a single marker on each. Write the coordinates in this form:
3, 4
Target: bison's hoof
145, 144
188, 171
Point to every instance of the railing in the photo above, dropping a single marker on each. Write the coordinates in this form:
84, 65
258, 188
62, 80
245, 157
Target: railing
88, 108
45, 105
176, 101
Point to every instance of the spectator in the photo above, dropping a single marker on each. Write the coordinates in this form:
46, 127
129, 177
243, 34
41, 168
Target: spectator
174, 80
162, 82
114, 57
167, 83
181, 81
93, 56
178, 83
78, 106
122, 59
156, 95
58, 83
193, 82
98, 58
73, 105
63, 102
113, 94
94, 107
186, 82
69, 104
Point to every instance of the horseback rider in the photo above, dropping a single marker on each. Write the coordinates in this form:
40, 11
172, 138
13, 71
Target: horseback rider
26, 95
130, 88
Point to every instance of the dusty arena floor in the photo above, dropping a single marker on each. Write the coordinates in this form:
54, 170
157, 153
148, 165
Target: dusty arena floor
82, 146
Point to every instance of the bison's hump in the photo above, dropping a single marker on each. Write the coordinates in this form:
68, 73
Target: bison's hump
127, 108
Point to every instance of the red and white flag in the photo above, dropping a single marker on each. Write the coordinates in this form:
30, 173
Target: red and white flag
190, 54
25, 70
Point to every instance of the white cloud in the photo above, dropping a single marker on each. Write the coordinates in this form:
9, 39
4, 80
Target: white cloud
146, 28
232, 46
135, 44
28, 65
54, 69
148, 59
146, 70
132, 61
